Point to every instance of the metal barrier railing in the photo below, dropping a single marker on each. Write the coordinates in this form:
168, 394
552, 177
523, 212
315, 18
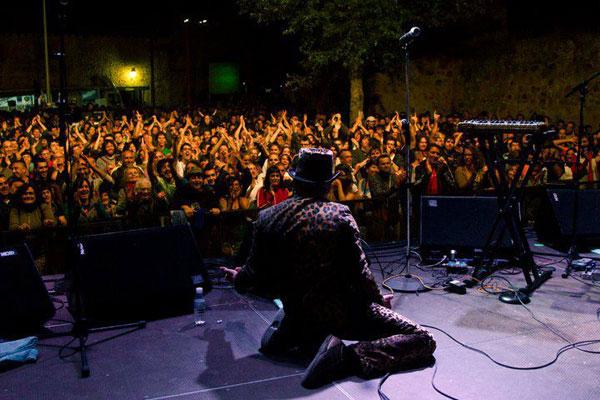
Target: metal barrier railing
228, 234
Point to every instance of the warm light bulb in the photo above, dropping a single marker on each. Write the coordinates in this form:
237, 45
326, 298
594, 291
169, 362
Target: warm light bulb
132, 73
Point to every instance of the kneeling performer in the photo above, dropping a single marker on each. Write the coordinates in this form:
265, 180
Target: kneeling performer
307, 252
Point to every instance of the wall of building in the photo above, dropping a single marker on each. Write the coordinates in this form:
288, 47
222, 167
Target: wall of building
501, 75
93, 61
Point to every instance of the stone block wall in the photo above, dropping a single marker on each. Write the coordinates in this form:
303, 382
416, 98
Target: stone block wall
501, 75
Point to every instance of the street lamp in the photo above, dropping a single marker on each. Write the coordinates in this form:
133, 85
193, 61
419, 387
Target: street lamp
132, 73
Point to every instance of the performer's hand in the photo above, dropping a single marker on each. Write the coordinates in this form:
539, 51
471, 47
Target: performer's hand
230, 274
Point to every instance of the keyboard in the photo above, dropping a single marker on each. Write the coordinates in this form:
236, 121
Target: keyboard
494, 126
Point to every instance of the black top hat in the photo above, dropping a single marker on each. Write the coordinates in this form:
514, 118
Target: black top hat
314, 166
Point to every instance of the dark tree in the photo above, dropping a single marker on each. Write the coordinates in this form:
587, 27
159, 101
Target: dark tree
350, 34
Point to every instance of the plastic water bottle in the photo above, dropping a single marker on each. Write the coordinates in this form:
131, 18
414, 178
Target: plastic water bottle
199, 306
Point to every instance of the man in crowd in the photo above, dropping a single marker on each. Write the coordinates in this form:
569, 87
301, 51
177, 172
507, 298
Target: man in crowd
433, 175
326, 287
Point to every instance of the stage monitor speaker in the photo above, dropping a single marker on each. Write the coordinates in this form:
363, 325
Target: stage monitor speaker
459, 222
137, 274
555, 216
24, 301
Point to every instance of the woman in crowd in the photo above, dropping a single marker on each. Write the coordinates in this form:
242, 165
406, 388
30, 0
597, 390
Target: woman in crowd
51, 197
363, 182
468, 175
86, 210
108, 161
341, 187
272, 192
28, 213
234, 200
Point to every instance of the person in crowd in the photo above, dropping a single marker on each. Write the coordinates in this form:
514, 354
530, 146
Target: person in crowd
384, 186
343, 187
143, 208
255, 184
469, 176
127, 194
197, 197
28, 213
164, 179
364, 190
234, 200
327, 289
108, 161
20, 171
273, 192
433, 175
85, 208
50, 195
5, 202
240, 140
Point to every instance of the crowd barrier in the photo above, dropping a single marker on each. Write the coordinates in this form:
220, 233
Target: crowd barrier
229, 233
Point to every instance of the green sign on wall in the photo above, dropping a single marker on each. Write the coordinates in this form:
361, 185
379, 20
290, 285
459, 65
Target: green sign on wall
223, 78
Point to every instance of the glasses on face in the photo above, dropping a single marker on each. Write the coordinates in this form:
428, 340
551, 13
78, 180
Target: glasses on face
434, 153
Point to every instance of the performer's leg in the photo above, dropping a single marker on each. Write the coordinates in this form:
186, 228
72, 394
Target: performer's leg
285, 338
392, 342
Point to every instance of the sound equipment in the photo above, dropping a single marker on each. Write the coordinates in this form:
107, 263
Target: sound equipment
24, 301
459, 222
554, 221
138, 274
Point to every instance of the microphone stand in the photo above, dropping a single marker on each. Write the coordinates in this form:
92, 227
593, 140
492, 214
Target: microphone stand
573, 254
407, 282
82, 326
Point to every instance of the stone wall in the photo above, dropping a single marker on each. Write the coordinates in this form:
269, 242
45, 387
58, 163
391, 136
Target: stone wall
501, 75
92, 61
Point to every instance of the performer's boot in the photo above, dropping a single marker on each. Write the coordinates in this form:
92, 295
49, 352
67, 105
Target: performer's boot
333, 361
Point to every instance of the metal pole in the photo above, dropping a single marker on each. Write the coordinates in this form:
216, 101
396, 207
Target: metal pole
46, 60
152, 82
407, 155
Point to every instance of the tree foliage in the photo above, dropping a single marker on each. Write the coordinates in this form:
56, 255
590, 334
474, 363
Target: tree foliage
352, 33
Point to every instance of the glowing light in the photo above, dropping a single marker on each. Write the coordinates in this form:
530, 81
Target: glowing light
185, 21
132, 73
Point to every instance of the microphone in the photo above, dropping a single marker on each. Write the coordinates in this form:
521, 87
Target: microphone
409, 36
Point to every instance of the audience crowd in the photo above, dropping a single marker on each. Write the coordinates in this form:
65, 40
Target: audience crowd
139, 167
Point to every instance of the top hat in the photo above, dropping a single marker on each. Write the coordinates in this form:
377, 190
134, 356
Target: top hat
314, 166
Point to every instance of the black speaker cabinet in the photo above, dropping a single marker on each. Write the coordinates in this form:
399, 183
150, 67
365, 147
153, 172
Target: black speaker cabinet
24, 301
459, 222
554, 221
137, 274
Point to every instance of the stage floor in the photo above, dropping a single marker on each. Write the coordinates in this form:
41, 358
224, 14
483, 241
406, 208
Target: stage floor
170, 360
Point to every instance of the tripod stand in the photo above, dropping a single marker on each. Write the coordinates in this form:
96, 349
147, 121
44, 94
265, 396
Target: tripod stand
81, 326
582, 89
